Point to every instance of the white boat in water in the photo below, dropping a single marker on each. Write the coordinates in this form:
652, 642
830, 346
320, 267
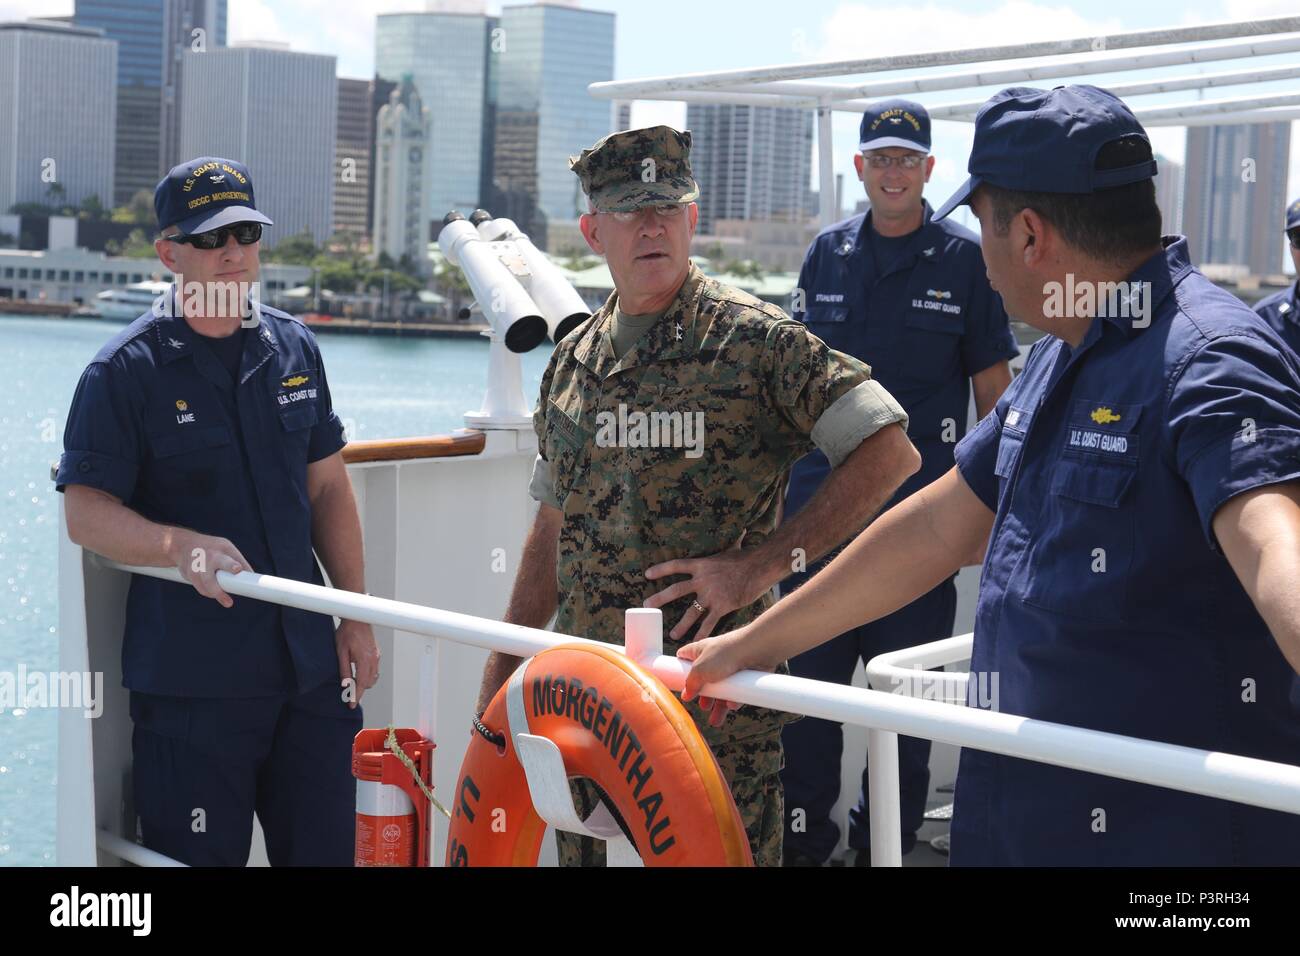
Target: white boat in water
127, 305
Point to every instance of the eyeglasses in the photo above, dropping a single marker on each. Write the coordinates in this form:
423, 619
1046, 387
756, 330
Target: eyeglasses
1294, 236
880, 161
664, 210
245, 233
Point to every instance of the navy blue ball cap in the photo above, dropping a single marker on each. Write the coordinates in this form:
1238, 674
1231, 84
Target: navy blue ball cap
1293, 215
895, 123
206, 193
1047, 141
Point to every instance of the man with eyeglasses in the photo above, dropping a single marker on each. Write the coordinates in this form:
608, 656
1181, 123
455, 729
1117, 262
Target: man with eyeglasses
910, 297
666, 425
203, 438
1282, 309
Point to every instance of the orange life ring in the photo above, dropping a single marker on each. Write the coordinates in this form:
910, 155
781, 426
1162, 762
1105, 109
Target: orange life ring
616, 725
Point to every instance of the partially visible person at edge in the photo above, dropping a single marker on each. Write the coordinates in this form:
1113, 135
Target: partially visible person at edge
1281, 310
909, 294
690, 530
202, 437
1134, 498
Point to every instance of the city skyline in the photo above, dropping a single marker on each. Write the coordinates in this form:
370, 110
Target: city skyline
771, 31
824, 30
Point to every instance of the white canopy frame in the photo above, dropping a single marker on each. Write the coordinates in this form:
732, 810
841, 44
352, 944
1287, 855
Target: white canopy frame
793, 85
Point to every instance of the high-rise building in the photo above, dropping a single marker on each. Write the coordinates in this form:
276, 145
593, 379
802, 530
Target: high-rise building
150, 35
1235, 188
58, 100
752, 162
352, 159
1169, 195
275, 110
401, 214
194, 26
445, 52
543, 112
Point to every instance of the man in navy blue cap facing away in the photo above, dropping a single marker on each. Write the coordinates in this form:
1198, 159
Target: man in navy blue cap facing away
909, 296
1134, 498
203, 438
1281, 310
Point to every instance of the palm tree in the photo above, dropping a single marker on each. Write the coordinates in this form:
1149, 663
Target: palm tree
452, 282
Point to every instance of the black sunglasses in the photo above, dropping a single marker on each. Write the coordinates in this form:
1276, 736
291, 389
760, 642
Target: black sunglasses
1294, 236
245, 233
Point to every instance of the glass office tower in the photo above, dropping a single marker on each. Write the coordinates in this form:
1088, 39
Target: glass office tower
445, 54
150, 35
546, 56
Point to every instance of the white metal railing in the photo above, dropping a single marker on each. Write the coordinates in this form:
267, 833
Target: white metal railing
1261, 783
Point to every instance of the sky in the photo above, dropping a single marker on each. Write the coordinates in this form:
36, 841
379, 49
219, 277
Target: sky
661, 37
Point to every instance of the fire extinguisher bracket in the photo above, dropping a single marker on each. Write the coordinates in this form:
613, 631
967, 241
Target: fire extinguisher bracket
395, 757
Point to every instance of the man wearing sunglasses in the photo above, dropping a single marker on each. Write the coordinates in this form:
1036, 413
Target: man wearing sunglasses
910, 297
685, 519
1282, 309
203, 438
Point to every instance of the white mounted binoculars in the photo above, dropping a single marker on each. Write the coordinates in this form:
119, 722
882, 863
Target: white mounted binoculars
522, 293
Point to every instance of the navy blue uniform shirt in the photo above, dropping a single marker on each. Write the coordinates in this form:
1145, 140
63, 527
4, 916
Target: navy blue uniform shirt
1105, 601
159, 423
924, 322
1281, 310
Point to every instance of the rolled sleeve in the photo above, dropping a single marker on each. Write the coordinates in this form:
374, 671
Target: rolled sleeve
1233, 422
101, 442
853, 418
977, 456
327, 434
541, 487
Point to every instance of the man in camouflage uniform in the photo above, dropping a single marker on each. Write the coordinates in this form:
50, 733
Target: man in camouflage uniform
667, 425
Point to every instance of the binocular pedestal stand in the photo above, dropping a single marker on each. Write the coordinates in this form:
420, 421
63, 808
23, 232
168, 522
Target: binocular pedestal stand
504, 407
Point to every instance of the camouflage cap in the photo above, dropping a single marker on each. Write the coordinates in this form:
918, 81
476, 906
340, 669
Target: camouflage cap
637, 167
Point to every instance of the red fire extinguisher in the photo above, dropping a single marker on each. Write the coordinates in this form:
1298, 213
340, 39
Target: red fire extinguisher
392, 808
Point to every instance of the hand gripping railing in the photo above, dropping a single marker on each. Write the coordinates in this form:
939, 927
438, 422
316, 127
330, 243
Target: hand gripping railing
1261, 783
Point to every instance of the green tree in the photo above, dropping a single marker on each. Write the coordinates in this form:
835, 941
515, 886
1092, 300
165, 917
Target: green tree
29, 209
397, 282
137, 245
92, 208
451, 282
139, 211
299, 250
339, 275
343, 243
745, 268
